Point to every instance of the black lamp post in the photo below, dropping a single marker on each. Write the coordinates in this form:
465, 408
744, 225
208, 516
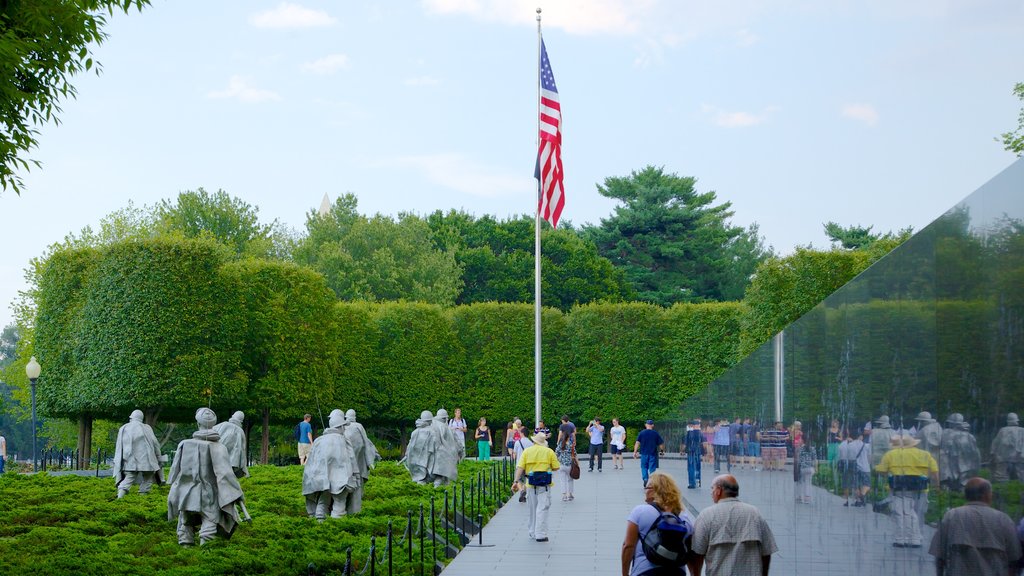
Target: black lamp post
32, 371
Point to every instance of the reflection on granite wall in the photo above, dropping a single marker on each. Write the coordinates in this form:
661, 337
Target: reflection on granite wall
937, 326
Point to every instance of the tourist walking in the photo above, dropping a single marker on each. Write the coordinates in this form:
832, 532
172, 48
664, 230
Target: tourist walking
3, 453
806, 464
565, 451
305, 439
661, 495
975, 538
596, 431
617, 443
854, 462
648, 444
520, 446
458, 427
536, 466
693, 444
720, 443
567, 432
773, 446
731, 538
483, 440
909, 470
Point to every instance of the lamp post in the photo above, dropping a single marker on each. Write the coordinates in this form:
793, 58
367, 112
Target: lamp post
32, 371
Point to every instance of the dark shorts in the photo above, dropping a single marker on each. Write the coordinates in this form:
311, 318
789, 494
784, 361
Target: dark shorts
615, 449
737, 449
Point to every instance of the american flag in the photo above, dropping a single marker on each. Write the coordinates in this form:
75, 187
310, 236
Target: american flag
549, 157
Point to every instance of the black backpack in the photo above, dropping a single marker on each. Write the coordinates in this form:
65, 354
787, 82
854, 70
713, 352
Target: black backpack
667, 541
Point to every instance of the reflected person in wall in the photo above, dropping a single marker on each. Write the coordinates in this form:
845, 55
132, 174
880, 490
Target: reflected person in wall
929, 432
960, 457
909, 470
1008, 451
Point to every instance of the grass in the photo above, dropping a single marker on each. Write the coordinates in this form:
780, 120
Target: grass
71, 524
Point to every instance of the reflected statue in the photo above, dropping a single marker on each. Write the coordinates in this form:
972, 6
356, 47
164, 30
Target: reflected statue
232, 436
929, 432
328, 480
959, 457
204, 489
364, 455
137, 456
432, 453
881, 439
1008, 451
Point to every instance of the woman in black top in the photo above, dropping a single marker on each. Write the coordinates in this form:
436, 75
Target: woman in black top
483, 440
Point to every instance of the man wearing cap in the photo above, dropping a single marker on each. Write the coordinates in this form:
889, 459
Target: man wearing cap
536, 465
1008, 451
648, 444
909, 470
976, 538
929, 432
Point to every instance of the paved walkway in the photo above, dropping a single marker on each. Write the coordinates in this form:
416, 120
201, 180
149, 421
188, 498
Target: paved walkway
821, 538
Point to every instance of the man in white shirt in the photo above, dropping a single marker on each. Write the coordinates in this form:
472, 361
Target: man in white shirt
618, 443
3, 453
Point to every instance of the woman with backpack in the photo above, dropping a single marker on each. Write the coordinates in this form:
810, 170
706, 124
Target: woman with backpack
658, 533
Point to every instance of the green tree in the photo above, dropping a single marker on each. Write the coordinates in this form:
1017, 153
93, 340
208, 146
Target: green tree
497, 259
224, 218
674, 244
1014, 141
850, 237
8, 344
289, 348
378, 259
43, 44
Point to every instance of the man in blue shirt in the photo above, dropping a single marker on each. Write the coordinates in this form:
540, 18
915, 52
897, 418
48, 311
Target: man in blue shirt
648, 444
305, 438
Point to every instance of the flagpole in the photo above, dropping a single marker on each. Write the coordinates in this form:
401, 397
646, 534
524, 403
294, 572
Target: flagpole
536, 258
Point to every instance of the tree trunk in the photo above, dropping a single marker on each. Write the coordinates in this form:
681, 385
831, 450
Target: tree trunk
84, 445
150, 416
265, 443
247, 426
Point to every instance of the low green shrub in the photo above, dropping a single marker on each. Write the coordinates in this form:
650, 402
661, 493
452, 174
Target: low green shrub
73, 524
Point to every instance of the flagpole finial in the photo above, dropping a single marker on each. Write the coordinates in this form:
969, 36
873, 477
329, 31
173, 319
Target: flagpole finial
538, 14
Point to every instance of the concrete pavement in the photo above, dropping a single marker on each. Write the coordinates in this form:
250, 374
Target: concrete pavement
821, 538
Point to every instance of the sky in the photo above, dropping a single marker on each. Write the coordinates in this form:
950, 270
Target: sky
875, 113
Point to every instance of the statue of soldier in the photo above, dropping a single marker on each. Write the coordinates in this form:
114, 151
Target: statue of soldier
419, 454
960, 457
365, 458
204, 489
328, 479
232, 436
449, 451
137, 456
881, 439
1008, 451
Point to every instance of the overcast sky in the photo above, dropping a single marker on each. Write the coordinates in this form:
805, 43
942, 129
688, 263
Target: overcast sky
797, 112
